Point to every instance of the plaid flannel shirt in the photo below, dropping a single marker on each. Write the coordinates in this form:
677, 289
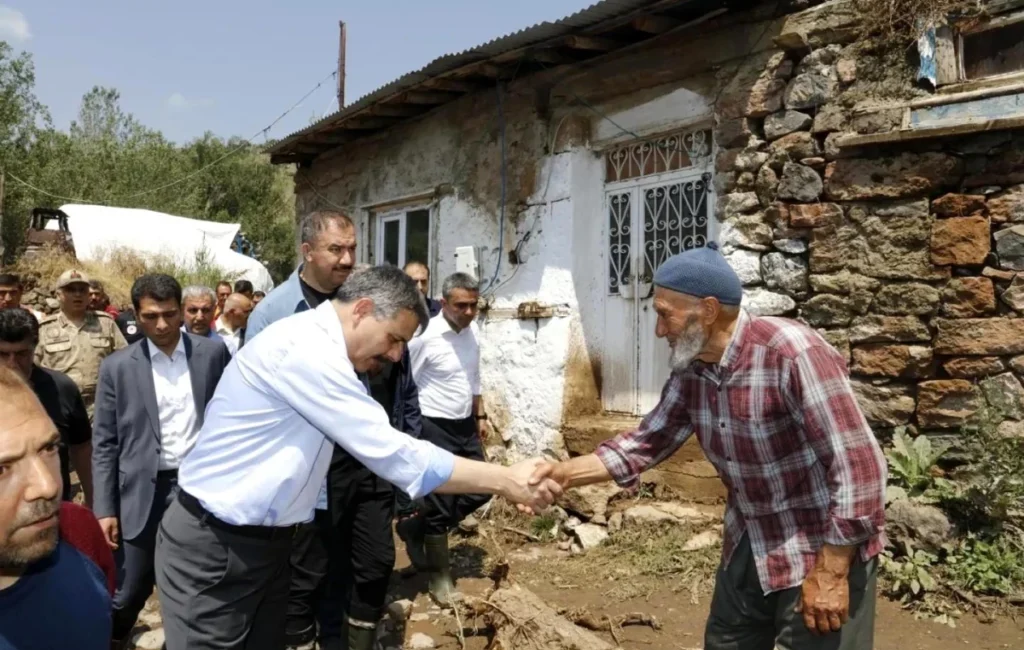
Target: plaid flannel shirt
778, 420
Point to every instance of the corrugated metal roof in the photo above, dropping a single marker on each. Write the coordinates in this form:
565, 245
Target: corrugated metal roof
545, 31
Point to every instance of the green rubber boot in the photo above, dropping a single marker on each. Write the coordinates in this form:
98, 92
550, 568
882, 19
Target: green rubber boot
361, 635
442, 588
411, 531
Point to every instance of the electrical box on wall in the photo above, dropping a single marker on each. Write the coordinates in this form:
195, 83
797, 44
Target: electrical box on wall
467, 261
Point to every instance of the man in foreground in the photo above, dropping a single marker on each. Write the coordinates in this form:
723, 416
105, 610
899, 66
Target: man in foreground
56, 574
445, 362
263, 453
171, 375
773, 410
61, 399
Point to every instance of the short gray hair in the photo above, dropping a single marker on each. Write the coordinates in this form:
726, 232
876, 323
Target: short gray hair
459, 281
317, 221
198, 291
390, 289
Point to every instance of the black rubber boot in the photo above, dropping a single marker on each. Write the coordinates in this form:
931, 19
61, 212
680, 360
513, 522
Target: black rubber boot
361, 635
411, 531
442, 588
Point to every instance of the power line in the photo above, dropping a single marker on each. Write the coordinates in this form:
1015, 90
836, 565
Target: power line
244, 145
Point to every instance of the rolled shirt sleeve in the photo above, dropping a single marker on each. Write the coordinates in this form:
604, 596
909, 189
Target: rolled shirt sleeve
838, 433
660, 434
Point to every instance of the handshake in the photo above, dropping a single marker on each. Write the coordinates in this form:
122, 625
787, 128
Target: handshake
535, 484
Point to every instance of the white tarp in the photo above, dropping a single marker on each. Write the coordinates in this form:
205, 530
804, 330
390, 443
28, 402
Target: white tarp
96, 229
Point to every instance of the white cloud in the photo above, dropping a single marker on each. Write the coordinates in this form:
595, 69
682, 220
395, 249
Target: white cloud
13, 25
179, 102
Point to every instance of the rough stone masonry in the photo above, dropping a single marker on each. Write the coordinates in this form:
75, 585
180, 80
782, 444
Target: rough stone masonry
909, 258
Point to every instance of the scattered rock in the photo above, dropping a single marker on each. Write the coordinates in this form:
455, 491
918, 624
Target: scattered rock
750, 161
652, 513
704, 540
615, 522
814, 215
150, 640
570, 525
888, 405
827, 310
946, 403
783, 123
565, 545
733, 205
419, 617
959, 205
973, 367
747, 265
829, 119
400, 610
968, 298
756, 88
914, 299
856, 179
469, 525
960, 241
589, 536
766, 185
735, 132
1010, 247
979, 336
1005, 394
1017, 363
784, 273
998, 275
1014, 294
761, 302
799, 183
420, 641
589, 501
925, 524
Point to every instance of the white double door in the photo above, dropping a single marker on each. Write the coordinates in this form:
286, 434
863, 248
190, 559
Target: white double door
647, 222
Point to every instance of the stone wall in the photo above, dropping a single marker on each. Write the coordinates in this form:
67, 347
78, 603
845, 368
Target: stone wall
908, 258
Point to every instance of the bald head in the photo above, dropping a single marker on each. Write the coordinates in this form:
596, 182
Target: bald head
30, 491
236, 310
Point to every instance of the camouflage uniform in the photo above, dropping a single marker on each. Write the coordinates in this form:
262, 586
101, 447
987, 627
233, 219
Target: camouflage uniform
78, 351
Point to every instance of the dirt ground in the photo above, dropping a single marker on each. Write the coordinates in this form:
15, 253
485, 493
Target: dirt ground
574, 582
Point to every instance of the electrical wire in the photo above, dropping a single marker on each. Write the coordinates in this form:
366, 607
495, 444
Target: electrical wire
245, 144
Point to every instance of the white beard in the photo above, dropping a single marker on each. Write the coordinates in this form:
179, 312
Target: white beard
687, 347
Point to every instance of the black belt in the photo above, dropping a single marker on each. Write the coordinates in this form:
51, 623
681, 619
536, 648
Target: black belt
196, 509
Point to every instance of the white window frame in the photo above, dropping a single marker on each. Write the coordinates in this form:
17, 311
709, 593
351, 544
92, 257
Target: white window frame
400, 214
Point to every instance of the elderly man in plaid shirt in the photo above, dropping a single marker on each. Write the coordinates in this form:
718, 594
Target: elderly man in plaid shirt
772, 407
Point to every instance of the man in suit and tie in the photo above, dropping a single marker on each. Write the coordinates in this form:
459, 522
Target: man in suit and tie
149, 407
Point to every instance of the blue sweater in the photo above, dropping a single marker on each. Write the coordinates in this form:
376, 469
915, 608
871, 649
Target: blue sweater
60, 603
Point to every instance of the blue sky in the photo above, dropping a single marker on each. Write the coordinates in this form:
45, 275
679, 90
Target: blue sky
232, 66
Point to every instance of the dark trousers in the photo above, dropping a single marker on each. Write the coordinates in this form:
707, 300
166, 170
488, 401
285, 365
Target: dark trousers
342, 563
743, 618
134, 559
443, 512
221, 587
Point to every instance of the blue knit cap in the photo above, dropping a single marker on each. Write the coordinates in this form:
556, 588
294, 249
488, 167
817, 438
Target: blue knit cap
703, 273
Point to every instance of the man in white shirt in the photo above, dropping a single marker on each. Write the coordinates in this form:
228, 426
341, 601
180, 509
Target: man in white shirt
150, 402
231, 324
446, 368
255, 472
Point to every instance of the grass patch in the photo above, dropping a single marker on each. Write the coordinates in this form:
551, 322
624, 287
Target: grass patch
117, 269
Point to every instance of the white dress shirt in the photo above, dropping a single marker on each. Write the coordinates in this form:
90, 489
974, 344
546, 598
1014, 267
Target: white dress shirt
446, 369
228, 335
175, 403
270, 429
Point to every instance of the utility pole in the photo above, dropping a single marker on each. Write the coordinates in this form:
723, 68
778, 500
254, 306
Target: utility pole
341, 66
